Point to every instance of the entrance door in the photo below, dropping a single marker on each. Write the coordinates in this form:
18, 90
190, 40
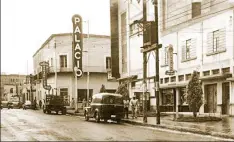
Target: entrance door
211, 98
225, 98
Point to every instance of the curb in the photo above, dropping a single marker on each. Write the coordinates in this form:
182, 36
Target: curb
182, 129
191, 130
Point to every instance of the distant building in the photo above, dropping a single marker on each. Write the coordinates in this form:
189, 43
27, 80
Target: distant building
11, 85
57, 51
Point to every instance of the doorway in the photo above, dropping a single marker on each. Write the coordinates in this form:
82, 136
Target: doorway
211, 98
225, 98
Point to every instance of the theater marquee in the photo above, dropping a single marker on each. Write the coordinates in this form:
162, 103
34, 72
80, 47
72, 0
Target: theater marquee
77, 45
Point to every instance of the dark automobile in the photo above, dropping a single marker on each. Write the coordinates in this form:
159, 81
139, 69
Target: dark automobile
105, 106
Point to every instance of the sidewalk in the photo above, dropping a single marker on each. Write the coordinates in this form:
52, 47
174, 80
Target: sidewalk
223, 128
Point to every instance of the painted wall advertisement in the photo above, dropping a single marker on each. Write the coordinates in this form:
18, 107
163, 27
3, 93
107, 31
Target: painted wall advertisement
77, 45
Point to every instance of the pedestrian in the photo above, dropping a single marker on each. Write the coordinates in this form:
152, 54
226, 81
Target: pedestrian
83, 103
126, 106
73, 103
134, 104
35, 103
40, 103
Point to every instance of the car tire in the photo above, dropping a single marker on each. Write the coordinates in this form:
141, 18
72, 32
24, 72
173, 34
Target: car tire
105, 120
57, 112
97, 117
86, 116
44, 110
64, 112
48, 111
118, 121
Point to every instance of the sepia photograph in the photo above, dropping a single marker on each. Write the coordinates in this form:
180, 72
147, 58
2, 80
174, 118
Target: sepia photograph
117, 70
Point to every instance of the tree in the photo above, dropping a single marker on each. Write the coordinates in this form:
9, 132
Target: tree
103, 89
194, 96
122, 90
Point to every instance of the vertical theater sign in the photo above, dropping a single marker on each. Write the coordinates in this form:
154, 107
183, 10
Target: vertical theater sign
77, 45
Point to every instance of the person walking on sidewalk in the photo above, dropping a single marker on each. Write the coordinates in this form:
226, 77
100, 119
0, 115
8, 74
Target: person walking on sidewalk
73, 103
40, 103
134, 104
126, 106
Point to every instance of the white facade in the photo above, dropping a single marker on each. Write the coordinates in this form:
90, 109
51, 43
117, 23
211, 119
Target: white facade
96, 49
215, 67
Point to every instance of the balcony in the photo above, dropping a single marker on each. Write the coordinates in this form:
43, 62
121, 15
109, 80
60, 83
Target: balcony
98, 69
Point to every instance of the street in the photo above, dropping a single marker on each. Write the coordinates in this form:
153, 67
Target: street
34, 125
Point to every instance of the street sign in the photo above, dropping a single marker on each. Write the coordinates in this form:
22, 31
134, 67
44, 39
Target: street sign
150, 48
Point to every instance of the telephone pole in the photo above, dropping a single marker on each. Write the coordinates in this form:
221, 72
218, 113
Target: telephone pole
144, 64
157, 61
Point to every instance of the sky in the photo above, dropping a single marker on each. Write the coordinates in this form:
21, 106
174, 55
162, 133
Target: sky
26, 24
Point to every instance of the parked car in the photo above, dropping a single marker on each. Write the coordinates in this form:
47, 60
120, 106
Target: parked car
27, 105
105, 106
14, 103
4, 104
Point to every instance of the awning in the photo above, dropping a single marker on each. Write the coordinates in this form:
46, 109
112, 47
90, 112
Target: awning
173, 85
128, 78
217, 76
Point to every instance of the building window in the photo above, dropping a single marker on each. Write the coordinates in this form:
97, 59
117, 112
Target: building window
188, 76
63, 61
133, 84
188, 48
196, 9
181, 78
166, 80
206, 73
215, 71
215, 41
82, 94
64, 93
167, 97
108, 62
161, 80
226, 70
134, 29
173, 79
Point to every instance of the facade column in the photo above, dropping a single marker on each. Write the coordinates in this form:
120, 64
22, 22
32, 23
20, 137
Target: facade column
177, 102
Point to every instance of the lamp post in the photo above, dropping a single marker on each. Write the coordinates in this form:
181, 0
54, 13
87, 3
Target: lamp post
87, 84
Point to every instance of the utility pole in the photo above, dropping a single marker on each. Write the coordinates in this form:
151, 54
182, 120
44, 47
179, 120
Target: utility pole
55, 70
157, 61
88, 66
144, 64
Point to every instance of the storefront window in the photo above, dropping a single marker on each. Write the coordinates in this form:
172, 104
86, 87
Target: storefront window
167, 97
183, 96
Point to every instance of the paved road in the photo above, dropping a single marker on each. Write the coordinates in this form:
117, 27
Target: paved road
33, 125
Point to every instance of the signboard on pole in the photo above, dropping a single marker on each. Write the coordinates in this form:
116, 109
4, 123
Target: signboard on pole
77, 45
44, 74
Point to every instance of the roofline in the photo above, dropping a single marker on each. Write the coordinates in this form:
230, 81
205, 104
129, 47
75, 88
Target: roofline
68, 34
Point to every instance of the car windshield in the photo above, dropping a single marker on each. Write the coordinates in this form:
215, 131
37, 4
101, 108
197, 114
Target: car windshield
112, 100
14, 99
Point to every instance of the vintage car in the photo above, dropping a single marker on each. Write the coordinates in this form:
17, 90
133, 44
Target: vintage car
105, 106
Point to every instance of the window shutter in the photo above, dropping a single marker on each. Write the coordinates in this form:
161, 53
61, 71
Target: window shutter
183, 50
222, 39
210, 42
193, 49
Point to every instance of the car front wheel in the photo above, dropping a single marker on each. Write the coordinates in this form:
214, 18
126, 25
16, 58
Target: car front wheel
97, 117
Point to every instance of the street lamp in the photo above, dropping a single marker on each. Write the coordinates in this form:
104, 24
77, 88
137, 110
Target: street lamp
87, 62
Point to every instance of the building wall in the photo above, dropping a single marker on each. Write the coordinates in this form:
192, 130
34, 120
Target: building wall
176, 32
